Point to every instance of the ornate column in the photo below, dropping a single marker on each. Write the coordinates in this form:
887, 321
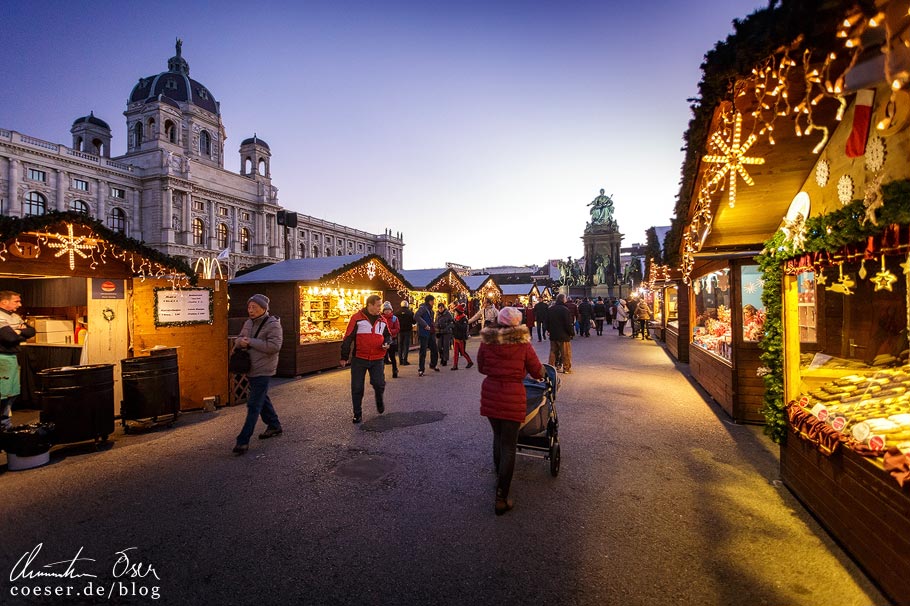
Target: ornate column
61, 190
167, 211
14, 204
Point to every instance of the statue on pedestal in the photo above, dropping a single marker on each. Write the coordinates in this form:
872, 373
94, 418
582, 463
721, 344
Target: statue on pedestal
602, 212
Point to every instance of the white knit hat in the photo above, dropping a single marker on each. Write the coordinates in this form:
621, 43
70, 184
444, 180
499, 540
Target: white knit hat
509, 316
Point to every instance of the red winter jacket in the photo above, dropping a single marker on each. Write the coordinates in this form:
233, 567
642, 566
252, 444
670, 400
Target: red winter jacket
367, 337
506, 356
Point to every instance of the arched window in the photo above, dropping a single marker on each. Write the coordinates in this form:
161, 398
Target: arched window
248, 166
262, 167
151, 124
79, 206
394, 263
315, 251
205, 143
244, 240
328, 251
222, 236
198, 232
78, 143
170, 132
117, 220
137, 132
339, 252
97, 147
301, 250
35, 204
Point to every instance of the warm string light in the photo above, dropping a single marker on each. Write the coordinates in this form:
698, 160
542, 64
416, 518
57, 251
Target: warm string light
369, 271
734, 158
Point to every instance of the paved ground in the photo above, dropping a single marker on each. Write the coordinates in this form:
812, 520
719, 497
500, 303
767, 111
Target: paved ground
660, 500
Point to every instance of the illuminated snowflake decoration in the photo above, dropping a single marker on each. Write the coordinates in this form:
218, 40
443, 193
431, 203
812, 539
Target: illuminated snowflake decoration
822, 173
371, 270
845, 189
750, 288
733, 158
72, 245
875, 154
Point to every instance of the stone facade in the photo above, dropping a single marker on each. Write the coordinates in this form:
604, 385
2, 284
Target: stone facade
171, 189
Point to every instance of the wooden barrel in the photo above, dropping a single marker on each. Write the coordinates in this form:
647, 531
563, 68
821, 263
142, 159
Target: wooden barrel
79, 401
151, 387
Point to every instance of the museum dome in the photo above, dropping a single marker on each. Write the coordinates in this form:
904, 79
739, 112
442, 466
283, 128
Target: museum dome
91, 119
255, 141
175, 85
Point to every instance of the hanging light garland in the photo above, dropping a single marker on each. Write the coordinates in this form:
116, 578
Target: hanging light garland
367, 271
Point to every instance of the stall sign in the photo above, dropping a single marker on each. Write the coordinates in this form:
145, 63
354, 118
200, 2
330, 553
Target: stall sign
102, 288
183, 307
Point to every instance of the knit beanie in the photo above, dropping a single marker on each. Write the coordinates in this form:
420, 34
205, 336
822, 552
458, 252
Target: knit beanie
509, 316
387, 305
260, 300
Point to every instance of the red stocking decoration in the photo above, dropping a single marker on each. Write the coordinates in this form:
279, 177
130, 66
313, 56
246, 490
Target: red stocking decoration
862, 117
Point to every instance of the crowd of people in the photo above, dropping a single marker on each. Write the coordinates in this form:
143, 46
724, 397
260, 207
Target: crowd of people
376, 335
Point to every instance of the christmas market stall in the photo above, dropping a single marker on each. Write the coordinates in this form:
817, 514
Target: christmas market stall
315, 298
670, 321
444, 284
483, 288
818, 132
519, 294
100, 301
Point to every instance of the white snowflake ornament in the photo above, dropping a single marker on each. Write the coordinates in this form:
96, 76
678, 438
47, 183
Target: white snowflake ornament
845, 189
875, 154
822, 172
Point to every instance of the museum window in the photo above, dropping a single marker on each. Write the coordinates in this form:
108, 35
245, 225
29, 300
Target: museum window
328, 251
78, 144
199, 205
315, 251
205, 143
80, 184
223, 211
244, 216
170, 131
35, 204
222, 236
117, 192
198, 232
262, 170
37, 175
137, 133
301, 250
97, 147
244, 240
117, 220
360, 247
79, 206
151, 125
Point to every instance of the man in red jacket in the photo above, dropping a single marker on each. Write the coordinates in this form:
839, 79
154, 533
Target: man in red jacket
368, 333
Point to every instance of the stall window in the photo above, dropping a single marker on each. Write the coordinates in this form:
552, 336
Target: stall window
325, 312
35, 204
198, 232
805, 286
79, 206
751, 289
244, 240
222, 236
712, 327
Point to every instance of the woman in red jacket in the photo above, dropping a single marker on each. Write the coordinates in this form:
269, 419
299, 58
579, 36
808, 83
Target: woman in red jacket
505, 357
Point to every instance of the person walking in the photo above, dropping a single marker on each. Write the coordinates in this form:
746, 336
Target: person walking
600, 314
444, 322
426, 329
488, 314
561, 325
460, 337
585, 315
505, 356
632, 305
540, 318
391, 356
261, 336
368, 335
13, 331
406, 323
622, 315
573, 311
643, 316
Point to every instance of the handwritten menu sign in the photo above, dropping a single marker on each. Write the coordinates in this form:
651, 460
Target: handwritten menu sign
188, 306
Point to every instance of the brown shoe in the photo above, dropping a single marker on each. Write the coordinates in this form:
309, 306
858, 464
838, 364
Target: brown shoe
503, 504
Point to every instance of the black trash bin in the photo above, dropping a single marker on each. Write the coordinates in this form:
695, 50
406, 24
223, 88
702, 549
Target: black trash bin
151, 387
79, 401
27, 446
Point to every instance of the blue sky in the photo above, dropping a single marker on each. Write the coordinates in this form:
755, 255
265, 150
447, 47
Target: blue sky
481, 130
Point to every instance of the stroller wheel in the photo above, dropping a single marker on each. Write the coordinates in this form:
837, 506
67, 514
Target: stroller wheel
554, 459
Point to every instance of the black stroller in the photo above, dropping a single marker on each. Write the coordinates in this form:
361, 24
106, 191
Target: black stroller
540, 431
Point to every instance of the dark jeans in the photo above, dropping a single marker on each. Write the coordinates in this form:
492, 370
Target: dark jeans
359, 369
621, 327
428, 342
445, 345
585, 325
391, 357
541, 330
643, 328
505, 437
404, 346
258, 404
599, 326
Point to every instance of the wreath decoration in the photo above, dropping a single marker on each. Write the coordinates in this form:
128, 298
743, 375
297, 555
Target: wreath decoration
108, 314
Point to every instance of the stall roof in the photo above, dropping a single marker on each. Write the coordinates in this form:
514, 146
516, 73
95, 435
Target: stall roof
422, 278
475, 282
307, 270
516, 290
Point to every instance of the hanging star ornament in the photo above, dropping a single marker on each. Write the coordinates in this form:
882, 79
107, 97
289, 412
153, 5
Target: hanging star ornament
820, 278
872, 199
72, 245
733, 158
884, 279
906, 265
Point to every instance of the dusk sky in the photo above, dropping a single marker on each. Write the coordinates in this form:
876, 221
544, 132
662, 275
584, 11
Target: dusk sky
480, 130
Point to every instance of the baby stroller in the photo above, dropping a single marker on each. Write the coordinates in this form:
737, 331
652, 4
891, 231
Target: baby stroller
539, 434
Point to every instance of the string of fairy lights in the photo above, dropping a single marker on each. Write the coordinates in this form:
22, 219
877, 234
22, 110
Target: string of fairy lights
766, 97
450, 283
368, 271
95, 251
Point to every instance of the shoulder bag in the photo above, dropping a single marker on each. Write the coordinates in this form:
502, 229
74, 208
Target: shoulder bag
240, 362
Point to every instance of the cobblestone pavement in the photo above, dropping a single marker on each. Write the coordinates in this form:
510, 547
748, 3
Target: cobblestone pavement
660, 500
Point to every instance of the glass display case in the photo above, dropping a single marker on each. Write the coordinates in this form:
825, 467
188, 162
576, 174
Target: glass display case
325, 312
712, 328
671, 304
805, 286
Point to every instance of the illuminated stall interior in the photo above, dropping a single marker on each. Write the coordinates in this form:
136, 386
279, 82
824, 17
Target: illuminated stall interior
444, 284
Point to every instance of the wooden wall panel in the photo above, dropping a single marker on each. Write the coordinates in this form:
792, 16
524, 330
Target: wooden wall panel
714, 376
201, 348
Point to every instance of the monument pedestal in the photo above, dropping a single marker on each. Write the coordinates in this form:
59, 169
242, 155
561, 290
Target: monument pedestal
602, 251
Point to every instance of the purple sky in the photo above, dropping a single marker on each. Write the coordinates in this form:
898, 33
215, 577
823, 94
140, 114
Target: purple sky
481, 130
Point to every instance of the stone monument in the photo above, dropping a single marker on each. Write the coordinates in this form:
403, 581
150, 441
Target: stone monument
602, 242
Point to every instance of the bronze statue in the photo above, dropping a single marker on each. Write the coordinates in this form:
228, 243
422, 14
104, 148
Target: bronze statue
601, 209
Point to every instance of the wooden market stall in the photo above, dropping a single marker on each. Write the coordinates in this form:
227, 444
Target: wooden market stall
443, 283
519, 293
670, 320
825, 214
94, 296
315, 298
484, 287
